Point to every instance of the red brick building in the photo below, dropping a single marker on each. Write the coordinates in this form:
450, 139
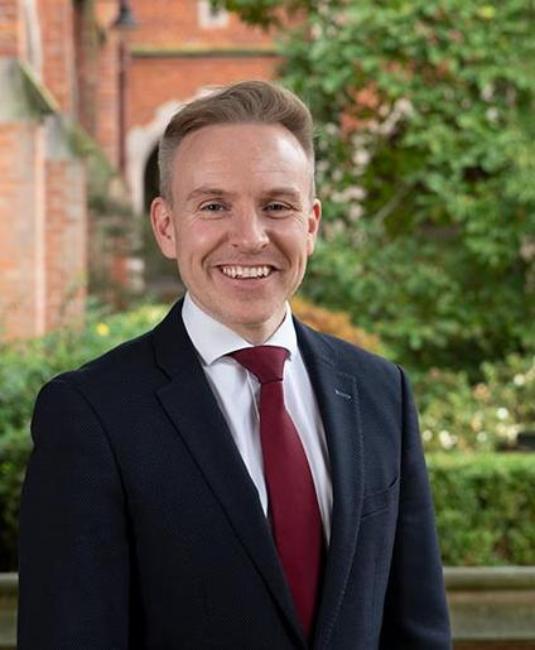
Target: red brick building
180, 50
83, 104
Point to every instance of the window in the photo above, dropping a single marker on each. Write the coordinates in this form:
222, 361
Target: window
209, 17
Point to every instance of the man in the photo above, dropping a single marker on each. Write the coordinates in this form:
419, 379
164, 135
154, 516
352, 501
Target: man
231, 480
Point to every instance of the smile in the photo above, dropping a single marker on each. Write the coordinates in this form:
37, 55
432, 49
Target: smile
244, 272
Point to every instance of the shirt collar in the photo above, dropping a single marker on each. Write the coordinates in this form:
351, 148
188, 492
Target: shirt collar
213, 340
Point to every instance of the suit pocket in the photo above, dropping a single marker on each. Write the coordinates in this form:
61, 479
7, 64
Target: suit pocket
379, 501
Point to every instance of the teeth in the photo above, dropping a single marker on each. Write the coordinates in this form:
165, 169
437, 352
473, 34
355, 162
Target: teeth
246, 271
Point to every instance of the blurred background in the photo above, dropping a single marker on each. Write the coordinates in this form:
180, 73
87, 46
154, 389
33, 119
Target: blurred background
425, 140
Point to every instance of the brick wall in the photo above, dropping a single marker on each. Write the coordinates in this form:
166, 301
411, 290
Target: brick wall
154, 82
107, 98
173, 55
57, 34
21, 231
42, 179
65, 241
9, 28
175, 23
86, 50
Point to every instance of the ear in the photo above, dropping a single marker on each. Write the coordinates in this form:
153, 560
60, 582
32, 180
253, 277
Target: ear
161, 218
313, 225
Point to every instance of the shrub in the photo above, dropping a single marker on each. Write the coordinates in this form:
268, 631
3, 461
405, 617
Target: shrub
485, 506
336, 323
14, 451
457, 415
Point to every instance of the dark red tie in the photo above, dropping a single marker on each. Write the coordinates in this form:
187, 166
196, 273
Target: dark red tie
293, 505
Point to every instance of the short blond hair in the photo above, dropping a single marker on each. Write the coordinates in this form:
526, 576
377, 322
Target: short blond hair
246, 102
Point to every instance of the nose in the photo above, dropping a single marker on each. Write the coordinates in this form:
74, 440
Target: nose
248, 231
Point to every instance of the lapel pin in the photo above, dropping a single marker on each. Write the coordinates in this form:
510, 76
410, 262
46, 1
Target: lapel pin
341, 394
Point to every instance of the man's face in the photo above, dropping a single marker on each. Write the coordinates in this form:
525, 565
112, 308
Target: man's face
242, 223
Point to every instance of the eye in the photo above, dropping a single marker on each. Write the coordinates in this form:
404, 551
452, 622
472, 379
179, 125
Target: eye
275, 206
213, 206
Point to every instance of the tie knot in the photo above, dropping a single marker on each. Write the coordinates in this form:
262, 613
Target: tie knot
264, 361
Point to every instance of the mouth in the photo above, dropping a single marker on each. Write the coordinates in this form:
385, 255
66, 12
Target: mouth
240, 272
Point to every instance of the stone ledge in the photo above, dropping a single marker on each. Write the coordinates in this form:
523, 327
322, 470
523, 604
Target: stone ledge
491, 603
494, 578
144, 52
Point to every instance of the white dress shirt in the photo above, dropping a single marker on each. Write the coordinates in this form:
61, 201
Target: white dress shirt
237, 392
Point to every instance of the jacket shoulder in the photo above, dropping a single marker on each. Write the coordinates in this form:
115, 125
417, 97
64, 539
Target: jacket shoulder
120, 366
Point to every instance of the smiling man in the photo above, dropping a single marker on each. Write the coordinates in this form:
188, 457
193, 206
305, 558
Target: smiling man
232, 479
239, 216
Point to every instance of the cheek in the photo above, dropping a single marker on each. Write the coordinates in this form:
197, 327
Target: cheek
196, 241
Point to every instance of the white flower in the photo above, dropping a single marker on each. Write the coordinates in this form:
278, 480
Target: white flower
355, 192
482, 436
384, 109
446, 439
355, 212
337, 175
404, 106
316, 31
487, 92
427, 435
361, 157
502, 413
492, 114
373, 126
519, 380
331, 129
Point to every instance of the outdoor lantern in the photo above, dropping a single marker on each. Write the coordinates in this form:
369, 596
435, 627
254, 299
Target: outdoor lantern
125, 19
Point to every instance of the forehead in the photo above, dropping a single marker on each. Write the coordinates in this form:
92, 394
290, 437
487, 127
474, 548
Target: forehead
240, 154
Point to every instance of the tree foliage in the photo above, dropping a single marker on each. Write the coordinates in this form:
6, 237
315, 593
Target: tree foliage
426, 168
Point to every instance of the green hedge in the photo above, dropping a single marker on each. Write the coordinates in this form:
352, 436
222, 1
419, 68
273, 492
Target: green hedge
14, 451
485, 505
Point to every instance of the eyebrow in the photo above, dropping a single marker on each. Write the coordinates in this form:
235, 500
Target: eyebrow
288, 192
205, 190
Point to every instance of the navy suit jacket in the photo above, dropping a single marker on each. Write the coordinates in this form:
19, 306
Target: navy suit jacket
140, 527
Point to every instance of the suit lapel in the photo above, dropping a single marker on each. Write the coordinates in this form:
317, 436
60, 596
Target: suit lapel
337, 396
190, 404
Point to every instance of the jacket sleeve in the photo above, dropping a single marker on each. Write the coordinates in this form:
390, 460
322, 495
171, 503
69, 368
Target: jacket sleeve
73, 550
415, 614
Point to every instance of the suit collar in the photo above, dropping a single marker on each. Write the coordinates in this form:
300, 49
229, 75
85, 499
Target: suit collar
188, 400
